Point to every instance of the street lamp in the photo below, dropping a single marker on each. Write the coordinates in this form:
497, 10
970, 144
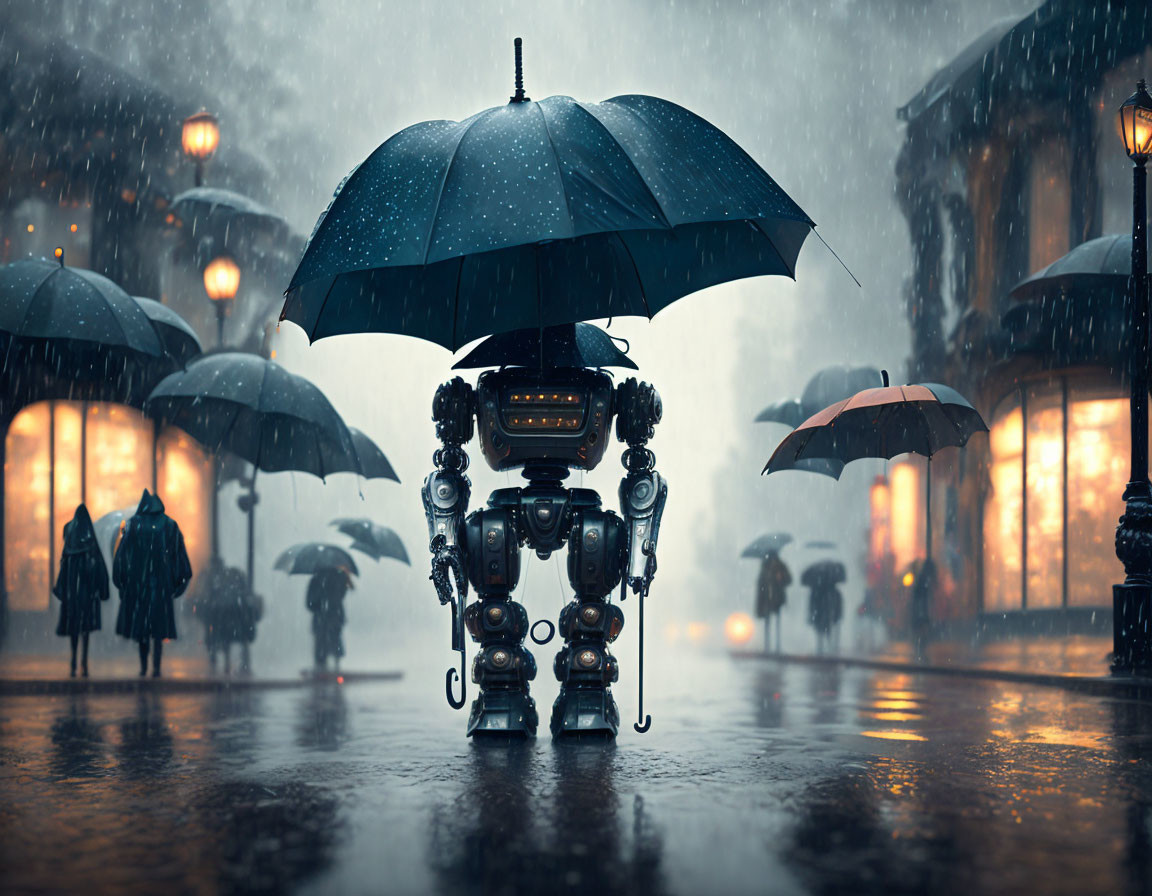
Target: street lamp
199, 138
221, 280
1132, 601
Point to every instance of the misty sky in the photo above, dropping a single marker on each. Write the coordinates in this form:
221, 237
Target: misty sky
808, 87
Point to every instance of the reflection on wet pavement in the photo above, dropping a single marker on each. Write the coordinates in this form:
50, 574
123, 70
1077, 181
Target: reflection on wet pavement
757, 777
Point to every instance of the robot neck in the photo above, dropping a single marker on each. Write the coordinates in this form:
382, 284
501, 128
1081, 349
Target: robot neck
544, 473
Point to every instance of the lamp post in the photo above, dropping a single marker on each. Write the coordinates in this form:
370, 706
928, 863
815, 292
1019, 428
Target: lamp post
1132, 601
199, 138
221, 281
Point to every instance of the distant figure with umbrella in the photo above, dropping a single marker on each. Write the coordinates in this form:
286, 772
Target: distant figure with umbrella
913, 419
825, 602
81, 585
229, 613
644, 203
772, 583
151, 569
331, 569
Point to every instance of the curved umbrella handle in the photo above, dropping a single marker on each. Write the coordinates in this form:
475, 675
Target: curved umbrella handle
640, 729
450, 678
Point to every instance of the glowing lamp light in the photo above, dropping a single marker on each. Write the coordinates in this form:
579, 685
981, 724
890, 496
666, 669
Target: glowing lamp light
738, 628
200, 136
908, 579
1136, 123
221, 279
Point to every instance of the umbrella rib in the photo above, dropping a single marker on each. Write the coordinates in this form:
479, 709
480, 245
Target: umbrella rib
636, 271
456, 301
756, 224
32, 301
444, 183
631, 164
320, 312
559, 173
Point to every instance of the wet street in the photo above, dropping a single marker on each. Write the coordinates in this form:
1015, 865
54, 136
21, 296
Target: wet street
775, 778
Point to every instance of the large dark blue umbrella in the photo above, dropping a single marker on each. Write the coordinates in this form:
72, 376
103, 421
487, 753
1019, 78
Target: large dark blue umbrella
533, 214
213, 210
769, 543
372, 539
566, 345
310, 557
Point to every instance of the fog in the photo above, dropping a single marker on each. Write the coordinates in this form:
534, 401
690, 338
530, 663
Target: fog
809, 89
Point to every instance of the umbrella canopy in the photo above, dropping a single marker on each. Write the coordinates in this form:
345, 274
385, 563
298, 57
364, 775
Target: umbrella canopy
1100, 265
883, 422
47, 302
788, 411
372, 539
256, 409
827, 386
368, 460
820, 545
180, 341
566, 345
211, 208
771, 543
533, 214
824, 573
311, 557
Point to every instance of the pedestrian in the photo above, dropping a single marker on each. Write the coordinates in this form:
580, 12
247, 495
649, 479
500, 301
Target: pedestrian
920, 612
825, 607
325, 601
150, 569
772, 594
229, 613
81, 585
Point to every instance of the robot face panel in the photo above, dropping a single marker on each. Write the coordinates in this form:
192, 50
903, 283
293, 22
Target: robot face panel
560, 417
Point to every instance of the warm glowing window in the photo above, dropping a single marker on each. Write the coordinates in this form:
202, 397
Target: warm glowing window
880, 528
906, 477
1097, 469
1098, 427
1002, 512
43, 473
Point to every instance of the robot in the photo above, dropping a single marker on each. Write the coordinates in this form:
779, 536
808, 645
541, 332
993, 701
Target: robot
545, 422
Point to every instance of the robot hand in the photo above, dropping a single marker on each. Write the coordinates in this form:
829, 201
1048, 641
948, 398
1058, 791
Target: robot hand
447, 558
642, 582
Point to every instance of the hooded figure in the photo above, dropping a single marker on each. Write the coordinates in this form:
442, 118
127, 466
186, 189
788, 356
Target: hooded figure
772, 592
150, 570
81, 585
325, 601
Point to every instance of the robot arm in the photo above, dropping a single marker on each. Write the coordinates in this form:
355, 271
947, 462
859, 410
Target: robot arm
643, 491
447, 489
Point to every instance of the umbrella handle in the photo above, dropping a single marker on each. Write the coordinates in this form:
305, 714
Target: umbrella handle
450, 678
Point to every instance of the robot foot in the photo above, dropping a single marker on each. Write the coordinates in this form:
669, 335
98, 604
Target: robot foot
503, 713
585, 712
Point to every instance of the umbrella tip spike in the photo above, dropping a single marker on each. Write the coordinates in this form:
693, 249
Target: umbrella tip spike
518, 96
884, 378
59, 253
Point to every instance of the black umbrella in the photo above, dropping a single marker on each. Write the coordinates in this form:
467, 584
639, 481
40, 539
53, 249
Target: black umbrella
788, 411
820, 545
566, 345
372, 539
368, 458
256, 409
215, 210
770, 543
533, 214
824, 573
180, 341
44, 303
311, 557
1099, 265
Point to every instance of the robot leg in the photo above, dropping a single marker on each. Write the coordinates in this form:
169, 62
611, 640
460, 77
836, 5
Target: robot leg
585, 668
503, 667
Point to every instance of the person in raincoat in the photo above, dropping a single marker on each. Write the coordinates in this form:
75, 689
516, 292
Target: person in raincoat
81, 585
150, 569
772, 593
825, 606
229, 613
325, 601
